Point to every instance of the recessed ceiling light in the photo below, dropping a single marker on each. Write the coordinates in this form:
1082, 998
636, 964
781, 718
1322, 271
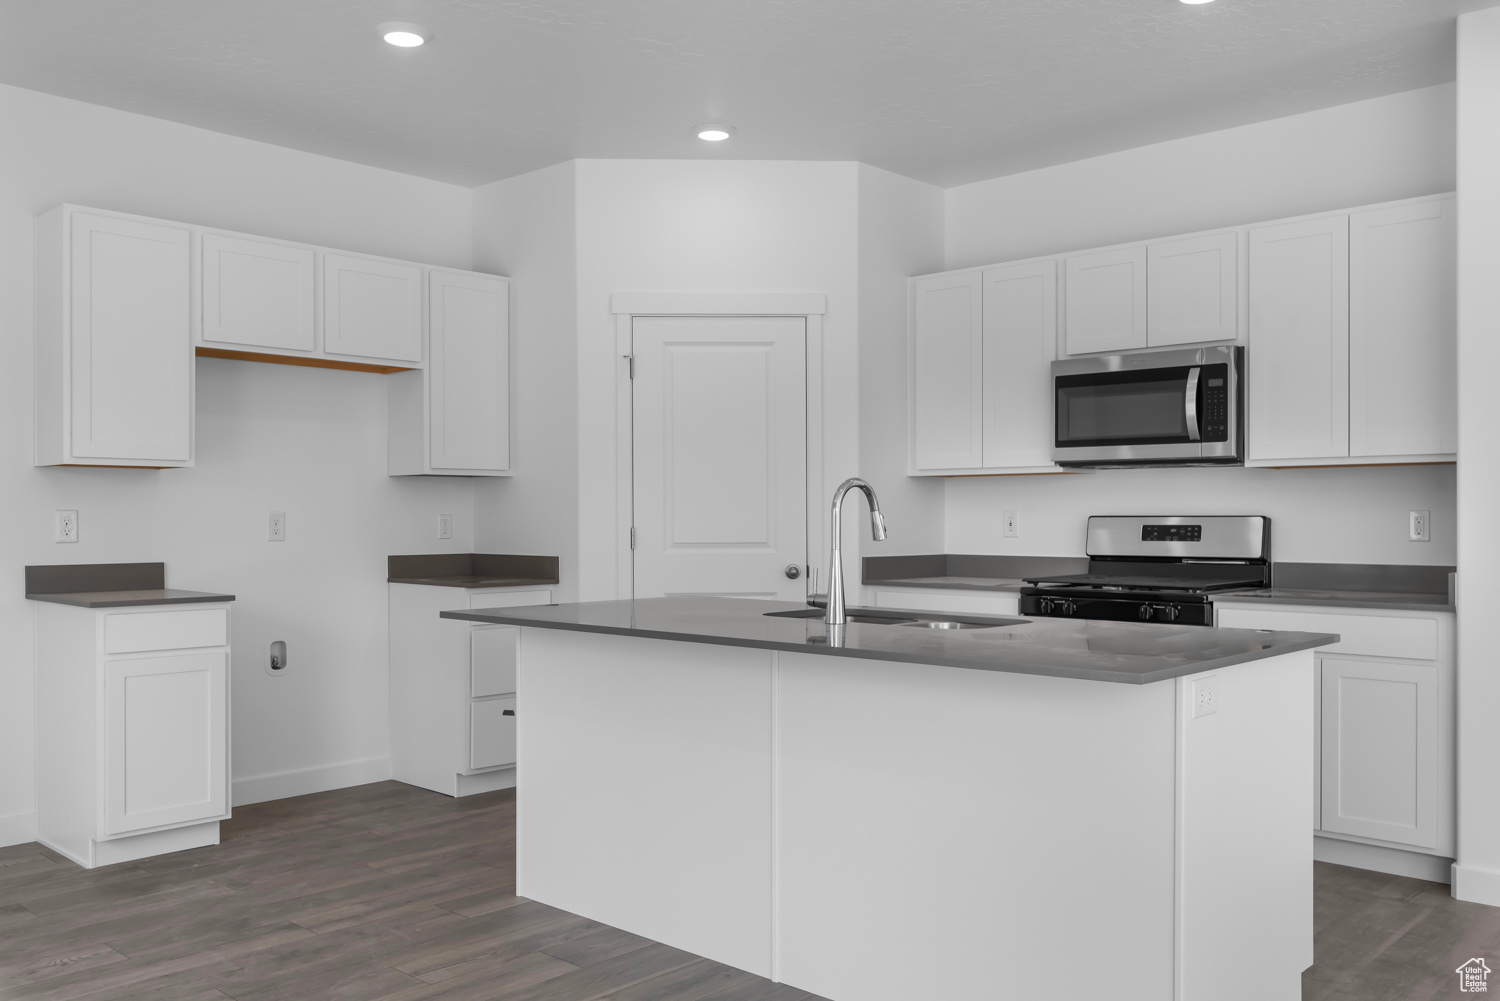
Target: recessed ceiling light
403, 34
713, 133
1196, 2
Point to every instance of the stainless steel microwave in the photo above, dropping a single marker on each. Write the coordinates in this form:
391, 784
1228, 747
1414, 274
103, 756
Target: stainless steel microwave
1151, 408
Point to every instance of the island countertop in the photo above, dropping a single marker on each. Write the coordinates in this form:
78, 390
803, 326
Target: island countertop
1093, 650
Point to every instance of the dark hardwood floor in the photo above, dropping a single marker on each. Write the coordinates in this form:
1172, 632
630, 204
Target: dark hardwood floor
389, 893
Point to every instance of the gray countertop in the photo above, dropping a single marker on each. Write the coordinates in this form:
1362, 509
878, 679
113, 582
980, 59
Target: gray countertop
1337, 598
1123, 652
124, 598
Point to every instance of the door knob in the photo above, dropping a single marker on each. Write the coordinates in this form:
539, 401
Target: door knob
793, 571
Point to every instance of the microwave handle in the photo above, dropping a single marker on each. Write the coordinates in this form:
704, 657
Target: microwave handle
1190, 404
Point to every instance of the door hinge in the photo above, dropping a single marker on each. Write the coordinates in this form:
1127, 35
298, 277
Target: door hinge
630, 365
632, 536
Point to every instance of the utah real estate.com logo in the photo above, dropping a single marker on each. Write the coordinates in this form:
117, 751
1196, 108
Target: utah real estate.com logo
1472, 976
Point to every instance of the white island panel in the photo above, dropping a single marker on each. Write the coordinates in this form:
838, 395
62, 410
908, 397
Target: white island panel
948, 833
646, 790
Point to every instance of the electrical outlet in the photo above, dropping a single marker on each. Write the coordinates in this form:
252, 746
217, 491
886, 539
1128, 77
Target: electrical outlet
445, 526
1012, 524
1205, 699
66, 527
276, 530
1421, 526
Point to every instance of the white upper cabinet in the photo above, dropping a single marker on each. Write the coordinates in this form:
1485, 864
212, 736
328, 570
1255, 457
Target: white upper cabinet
1298, 353
1192, 290
258, 293
372, 308
1403, 330
947, 372
114, 366
454, 418
1105, 307
1020, 343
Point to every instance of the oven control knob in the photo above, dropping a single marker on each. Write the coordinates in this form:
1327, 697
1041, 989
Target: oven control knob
1067, 606
1147, 612
1173, 612
1046, 604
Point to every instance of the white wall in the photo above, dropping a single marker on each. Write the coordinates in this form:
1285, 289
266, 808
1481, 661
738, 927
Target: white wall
1356, 515
526, 227
900, 234
1388, 148
705, 226
1378, 150
1476, 875
307, 441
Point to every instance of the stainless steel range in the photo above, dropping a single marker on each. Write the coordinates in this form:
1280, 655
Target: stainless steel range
1157, 569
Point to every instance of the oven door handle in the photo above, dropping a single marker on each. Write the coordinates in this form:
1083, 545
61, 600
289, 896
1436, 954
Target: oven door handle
1190, 404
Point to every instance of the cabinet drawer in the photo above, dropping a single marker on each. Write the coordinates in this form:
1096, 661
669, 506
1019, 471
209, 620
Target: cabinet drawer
508, 599
175, 630
492, 660
1372, 635
492, 733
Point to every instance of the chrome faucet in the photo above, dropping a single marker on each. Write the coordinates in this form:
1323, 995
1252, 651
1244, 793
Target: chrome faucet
835, 615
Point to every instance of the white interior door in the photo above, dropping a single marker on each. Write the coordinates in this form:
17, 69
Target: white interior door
720, 440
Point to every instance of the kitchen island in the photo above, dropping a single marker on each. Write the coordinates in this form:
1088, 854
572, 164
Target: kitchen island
1025, 809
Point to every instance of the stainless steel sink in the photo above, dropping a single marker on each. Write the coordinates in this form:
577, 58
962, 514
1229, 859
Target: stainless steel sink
905, 619
860, 616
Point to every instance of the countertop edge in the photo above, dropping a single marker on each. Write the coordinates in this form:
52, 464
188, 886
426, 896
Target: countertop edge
502, 617
1401, 606
82, 599
439, 582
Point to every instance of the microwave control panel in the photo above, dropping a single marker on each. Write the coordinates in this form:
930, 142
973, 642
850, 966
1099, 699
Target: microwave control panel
1216, 403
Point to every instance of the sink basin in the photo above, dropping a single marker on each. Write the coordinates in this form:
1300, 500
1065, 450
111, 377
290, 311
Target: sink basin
905, 619
863, 617
964, 623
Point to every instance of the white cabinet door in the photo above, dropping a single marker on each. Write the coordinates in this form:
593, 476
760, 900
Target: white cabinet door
469, 371
372, 308
1380, 750
492, 660
1020, 343
258, 293
132, 355
1298, 353
1403, 330
1105, 296
947, 372
165, 741
492, 733
1192, 290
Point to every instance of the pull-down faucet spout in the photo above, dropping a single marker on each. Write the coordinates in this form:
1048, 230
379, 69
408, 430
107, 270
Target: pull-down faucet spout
836, 616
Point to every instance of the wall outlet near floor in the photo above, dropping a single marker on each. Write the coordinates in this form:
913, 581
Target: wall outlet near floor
65, 527
1012, 523
445, 526
1205, 699
276, 527
1421, 526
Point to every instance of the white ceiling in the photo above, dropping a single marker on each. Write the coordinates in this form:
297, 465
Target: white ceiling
944, 90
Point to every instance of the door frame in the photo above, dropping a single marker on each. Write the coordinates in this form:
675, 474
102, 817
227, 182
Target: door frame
626, 306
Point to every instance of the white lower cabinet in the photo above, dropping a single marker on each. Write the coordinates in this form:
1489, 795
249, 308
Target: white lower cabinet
1385, 745
453, 685
133, 744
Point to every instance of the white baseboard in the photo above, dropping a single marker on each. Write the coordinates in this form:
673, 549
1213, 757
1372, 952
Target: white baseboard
1479, 886
280, 785
17, 829
1417, 865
